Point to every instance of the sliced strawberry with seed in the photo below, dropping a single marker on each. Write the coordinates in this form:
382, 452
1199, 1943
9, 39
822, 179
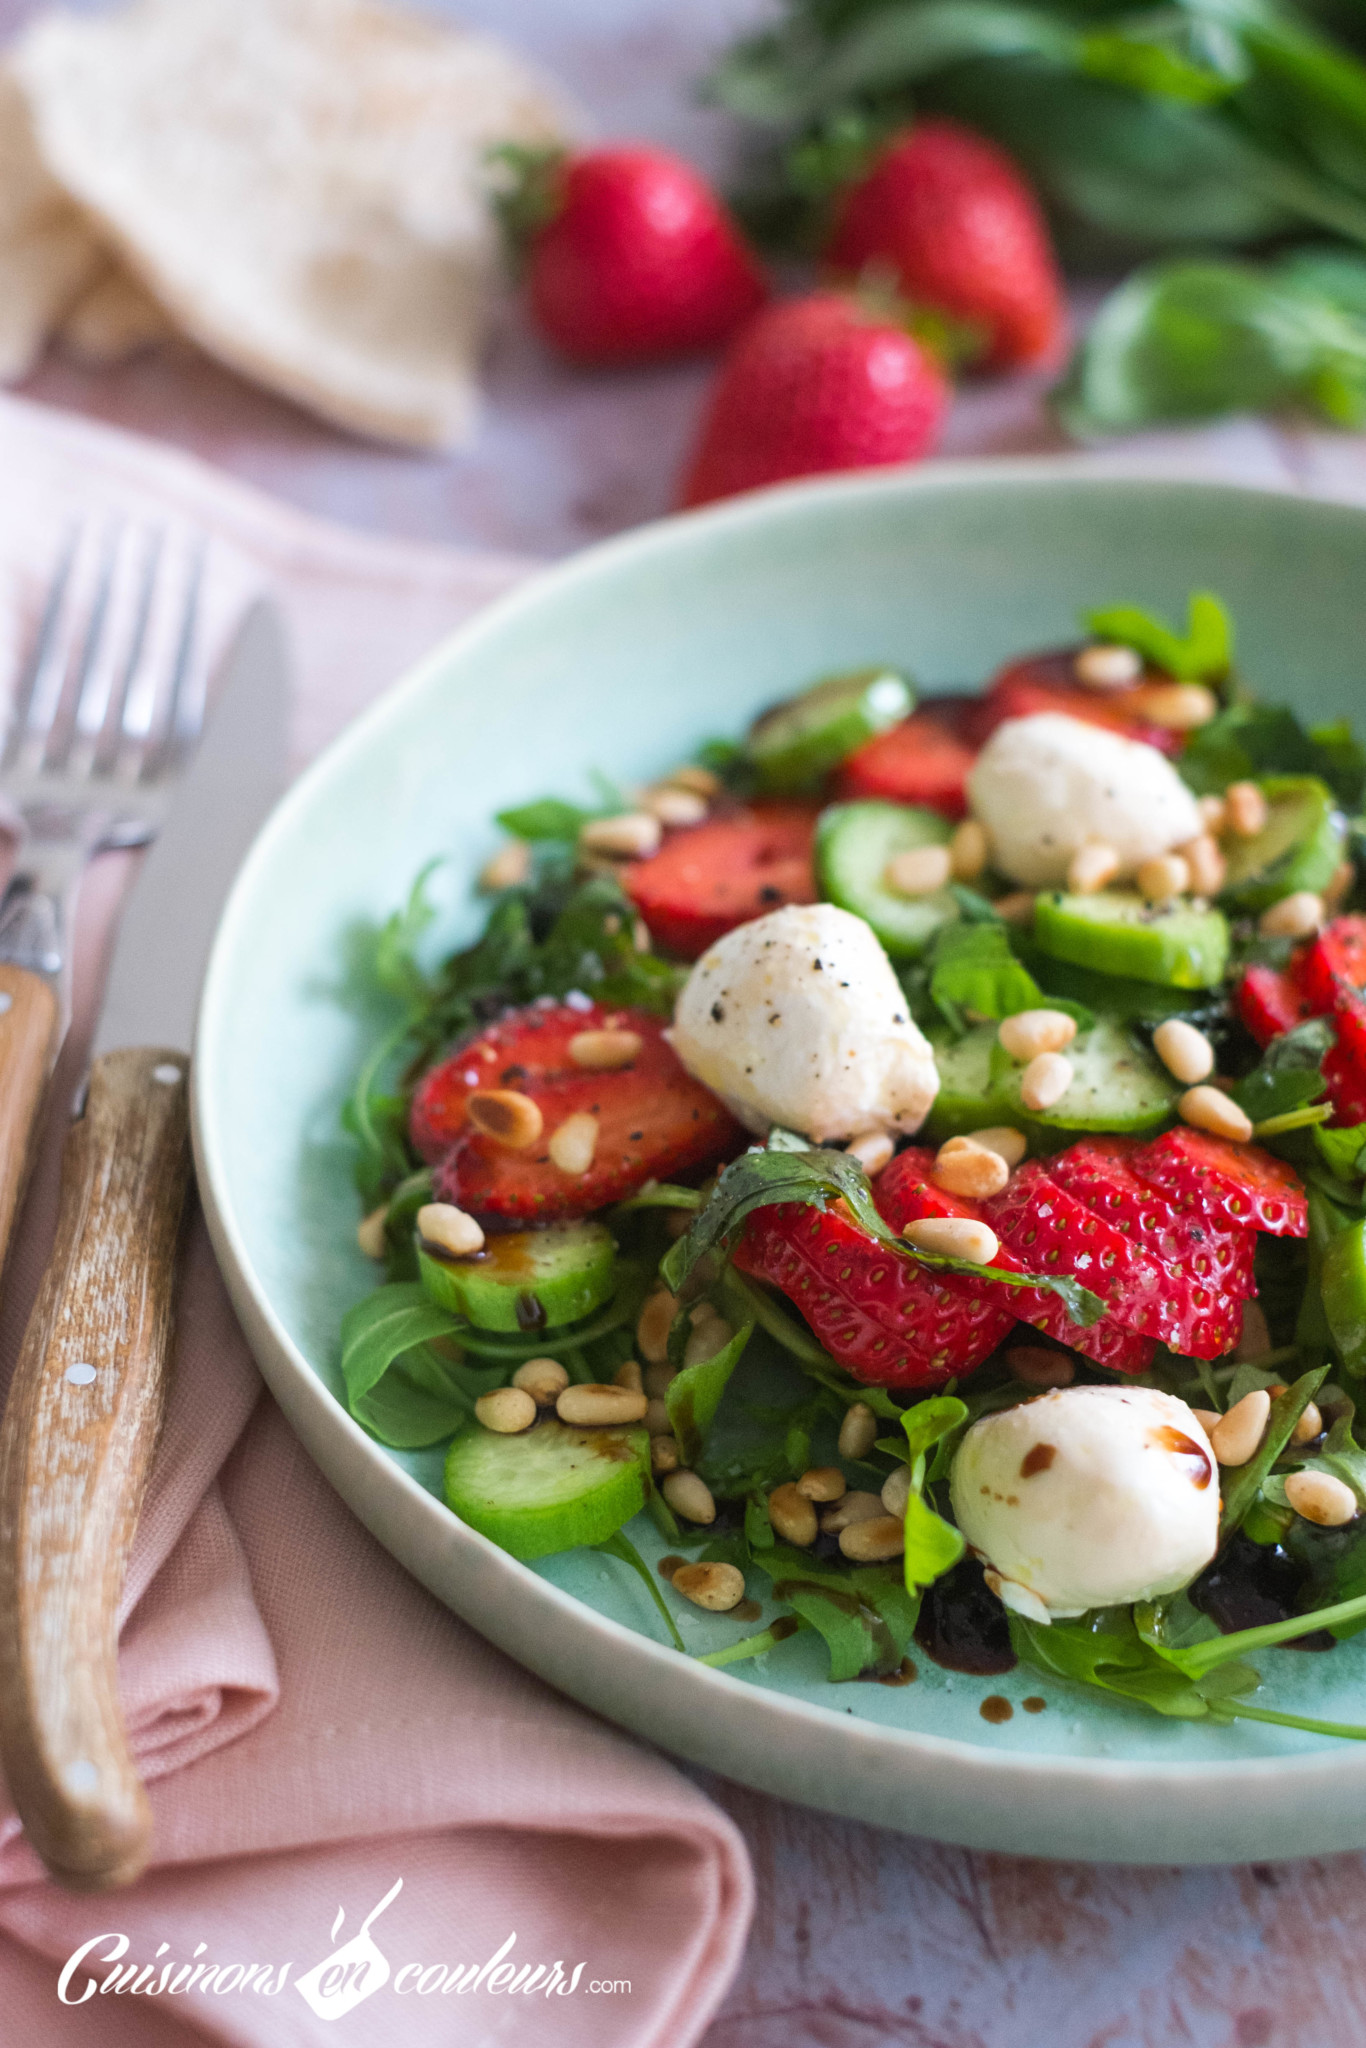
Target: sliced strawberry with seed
924, 760
706, 880
1099, 1172
1225, 1183
1270, 1002
653, 1119
1336, 956
1344, 1065
1048, 682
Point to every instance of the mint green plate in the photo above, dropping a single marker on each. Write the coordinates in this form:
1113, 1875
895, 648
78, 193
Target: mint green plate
622, 659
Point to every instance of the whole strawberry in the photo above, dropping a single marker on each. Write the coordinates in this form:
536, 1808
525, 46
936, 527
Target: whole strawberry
811, 385
953, 221
629, 254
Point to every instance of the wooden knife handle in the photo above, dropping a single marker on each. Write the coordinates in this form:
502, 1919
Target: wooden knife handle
28, 1043
75, 1448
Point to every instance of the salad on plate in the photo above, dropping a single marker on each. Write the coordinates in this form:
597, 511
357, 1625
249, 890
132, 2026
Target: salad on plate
913, 1157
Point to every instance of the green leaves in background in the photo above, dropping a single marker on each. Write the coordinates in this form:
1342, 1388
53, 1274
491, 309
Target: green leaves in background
1247, 740
1203, 654
971, 967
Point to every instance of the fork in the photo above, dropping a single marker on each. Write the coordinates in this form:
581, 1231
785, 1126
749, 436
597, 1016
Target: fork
107, 706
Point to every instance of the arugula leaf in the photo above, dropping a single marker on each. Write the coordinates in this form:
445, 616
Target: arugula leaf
1106, 1651
933, 1546
397, 1386
1203, 655
1242, 1486
1247, 740
619, 1545
1289, 1073
863, 1613
694, 1394
547, 818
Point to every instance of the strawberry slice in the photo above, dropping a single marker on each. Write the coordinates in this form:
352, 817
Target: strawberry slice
1047, 682
1099, 1173
1344, 1066
1336, 956
1225, 1183
708, 879
924, 760
1270, 1003
653, 1119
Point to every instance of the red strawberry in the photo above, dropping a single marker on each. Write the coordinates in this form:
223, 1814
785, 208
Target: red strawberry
951, 216
708, 879
1099, 1173
630, 256
1225, 1183
1337, 955
1269, 1003
1047, 682
812, 385
1049, 1231
654, 1120
1344, 1066
921, 761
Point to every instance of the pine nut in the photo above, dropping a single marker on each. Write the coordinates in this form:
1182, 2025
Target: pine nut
627, 1374
1185, 1052
963, 1168
605, 1051
572, 1146
1016, 907
1339, 882
545, 1379
1164, 876
896, 1491
875, 1540
1107, 668
792, 1515
506, 869
1208, 1419
1295, 917
673, 806
448, 1229
1177, 707
1011, 1144
822, 1482
1209, 1109
1045, 1081
872, 1149
594, 1405
507, 1116
689, 1496
507, 1410
1309, 1426
663, 1454
1322, 1498
657, 1419
1039, 1365
1245, 809
1206, 864
1236, 1435
632, 835
717, 1587
1030, 1032
710, 1335
1214, 811
954, 1237
858, 1431
370, 1232
1092, 865
856, 1506
919, 871
968, 850
658, 1379
700, 781
652, 1330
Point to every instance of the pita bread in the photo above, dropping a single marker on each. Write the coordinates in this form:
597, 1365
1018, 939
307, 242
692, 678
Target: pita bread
299, 183
47, 252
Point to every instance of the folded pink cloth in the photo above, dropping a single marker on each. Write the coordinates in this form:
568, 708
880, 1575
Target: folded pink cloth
313, 1726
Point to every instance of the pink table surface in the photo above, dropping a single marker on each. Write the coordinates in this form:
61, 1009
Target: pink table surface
862, 1938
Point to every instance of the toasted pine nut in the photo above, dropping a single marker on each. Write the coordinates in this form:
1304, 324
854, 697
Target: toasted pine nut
689, 1496
572, 1146
967, 1169
1236, 1435
717, 1587
1295, 917
628, 1375
1016, 907
1214, 811
652, 1330
792, 1515
1107, 668
545, 1379
710, 1335
896, 1491
658, 1379
1039, 1365
1011, 1144
1309, 1425
594, 1405
1164, 876
506, 869
507, 1116
1045, 1081
1245, 809
674, 806
871, 1542
919, 871
507, 1410
1322, 1498
855, 1506
1209, 1109
822, 1482
954, 1237
1092, 865
605, 1050
448, 1229
1208, 1419
1178, 707
1030, 1032
1185, 1052
657, 1419
1206, 864
858, 1431
370, 1232
700, 781
1339, 882
632, 835
968, 850
663, 1454
872, 1149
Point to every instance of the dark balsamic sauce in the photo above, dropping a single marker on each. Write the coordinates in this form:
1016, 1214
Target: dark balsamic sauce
962, 1626
1252, 1585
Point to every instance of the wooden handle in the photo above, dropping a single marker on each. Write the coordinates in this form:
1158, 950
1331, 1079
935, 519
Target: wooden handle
75, 1448
28, 1043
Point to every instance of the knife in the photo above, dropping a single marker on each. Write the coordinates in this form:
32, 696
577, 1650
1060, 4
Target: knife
86, 1402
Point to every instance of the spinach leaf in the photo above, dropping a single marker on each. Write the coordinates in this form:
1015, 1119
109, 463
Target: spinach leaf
1247, 740
694, 1395
972, 968
1289, 1073
1204, 654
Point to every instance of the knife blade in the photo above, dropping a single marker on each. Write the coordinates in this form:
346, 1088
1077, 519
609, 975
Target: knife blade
86, 1402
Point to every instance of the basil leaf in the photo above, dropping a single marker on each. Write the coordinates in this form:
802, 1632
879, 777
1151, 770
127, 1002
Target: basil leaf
1083, 1307
1203, 654
694, 1395
816, 1177
971, 967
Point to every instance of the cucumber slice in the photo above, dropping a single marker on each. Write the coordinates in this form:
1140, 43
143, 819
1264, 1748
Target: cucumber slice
854, 843
795, 745
1299, 847
1116, 932
548, 1489
1119, 995
1117, 1086
526, 1280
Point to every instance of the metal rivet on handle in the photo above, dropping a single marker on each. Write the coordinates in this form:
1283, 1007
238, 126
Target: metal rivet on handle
81, 1775
166, 1073
6, 1003
80, 1374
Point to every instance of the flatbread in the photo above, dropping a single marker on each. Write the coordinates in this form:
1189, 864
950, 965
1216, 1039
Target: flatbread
299, 183
48, 253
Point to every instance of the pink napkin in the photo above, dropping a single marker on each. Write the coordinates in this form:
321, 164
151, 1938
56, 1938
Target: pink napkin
315, 1730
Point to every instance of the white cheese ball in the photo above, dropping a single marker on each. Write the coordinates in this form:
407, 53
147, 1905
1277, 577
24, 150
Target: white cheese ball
797, 1019
1043, 786
1088, 1497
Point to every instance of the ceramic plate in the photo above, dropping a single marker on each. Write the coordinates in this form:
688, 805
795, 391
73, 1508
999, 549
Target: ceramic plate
622, 659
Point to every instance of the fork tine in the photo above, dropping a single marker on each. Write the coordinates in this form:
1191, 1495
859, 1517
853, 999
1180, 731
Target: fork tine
119, 711
90, 678
31, 696
184, 713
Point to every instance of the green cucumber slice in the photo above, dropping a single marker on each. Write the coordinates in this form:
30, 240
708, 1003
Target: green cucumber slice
526, 1280
795, 745
1118, 1086
1115, 932
854, 843
1119, 995
548, 1489
1299, 847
